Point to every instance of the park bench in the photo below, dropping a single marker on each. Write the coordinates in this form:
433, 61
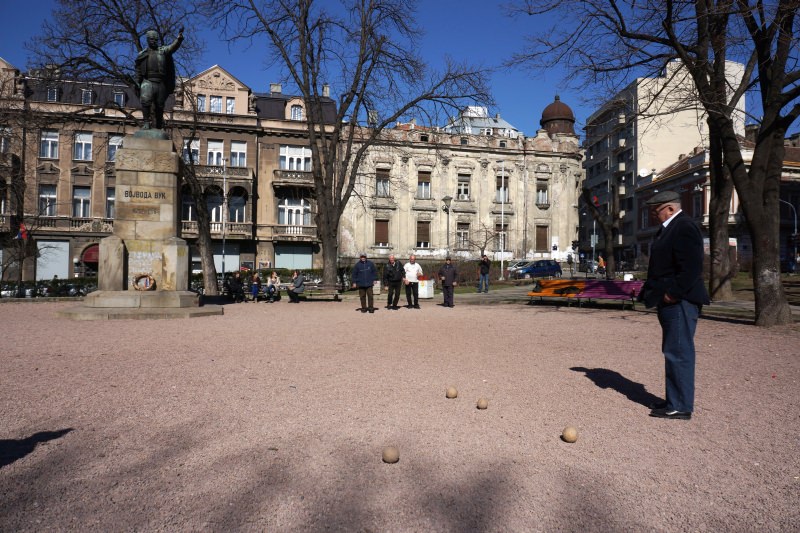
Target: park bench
556, 288
321, 292
610, 289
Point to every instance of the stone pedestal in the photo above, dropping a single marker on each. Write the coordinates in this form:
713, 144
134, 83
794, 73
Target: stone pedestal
144, 266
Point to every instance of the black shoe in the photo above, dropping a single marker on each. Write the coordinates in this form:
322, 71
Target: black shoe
416, 307
660, 404
363, 309
371, 310
671, 414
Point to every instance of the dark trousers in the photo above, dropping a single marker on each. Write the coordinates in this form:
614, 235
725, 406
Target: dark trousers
366, 296
412, 289
394, 293
447, 293
294, 297
678, 323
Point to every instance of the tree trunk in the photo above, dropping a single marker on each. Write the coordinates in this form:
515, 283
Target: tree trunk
329, 237
204, 244
721, 191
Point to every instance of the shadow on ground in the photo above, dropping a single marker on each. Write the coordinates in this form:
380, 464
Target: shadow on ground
13, 449
610, 379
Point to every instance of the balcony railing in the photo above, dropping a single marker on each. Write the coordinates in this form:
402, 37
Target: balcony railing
293, 233
292, 178
213, 170
232, 229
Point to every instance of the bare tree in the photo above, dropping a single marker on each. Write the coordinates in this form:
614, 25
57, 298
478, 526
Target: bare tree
99, 39
602, 39
366, 50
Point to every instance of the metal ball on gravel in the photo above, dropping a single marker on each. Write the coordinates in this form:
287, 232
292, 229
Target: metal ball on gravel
391, 454
451, 392
570, 434
483, 403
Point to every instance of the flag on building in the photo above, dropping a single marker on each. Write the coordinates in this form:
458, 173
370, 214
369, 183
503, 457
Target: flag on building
23, 232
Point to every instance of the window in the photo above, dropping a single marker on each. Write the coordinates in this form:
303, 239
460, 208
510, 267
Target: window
5, 140
214, 205
237, 204
541, 239
201, 103
502, 144
486, 131
463, 141
462, 188
501, 230
215, 104
238, 154
423, 138
541, 193
501, 194
462, 235
114, 144
119, 98
381, 233
48, 145
110, 198
295, 158
87, 97
697, 205
424, 185
52, 94
81, 202
230, 105
188, 210
47, 200
382, 183
423, 234
82, 149
214, 154
294, 212
297, 112
644, 221
191, 151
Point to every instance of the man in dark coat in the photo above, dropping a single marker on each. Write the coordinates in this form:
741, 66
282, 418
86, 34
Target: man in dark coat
484, 266
675, 287
448, 276
155, 78
393, 274
363, 276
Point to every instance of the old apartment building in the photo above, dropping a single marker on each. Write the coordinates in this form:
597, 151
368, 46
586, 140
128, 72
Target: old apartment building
512, 196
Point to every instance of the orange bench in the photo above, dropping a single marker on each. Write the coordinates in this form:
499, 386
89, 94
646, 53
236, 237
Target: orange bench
557, 288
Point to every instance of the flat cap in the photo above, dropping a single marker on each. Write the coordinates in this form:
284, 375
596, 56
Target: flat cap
362, 255
664, 197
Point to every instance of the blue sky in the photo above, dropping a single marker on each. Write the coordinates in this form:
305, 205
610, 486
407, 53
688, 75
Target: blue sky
467, 30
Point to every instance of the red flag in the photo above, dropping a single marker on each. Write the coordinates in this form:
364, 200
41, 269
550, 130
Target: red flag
23, 232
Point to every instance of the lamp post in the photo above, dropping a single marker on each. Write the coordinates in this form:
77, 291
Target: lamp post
447, 200
224, 210
594, 241
794, 235
502, 216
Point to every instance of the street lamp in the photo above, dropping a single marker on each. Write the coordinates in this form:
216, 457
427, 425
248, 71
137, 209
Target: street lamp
224, 210
447, 200
502, 215
794, 235
594, 240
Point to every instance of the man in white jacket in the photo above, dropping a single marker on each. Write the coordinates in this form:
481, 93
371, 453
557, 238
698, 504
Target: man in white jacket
413, 272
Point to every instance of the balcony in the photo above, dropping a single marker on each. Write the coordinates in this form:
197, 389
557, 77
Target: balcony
282, 232
292, 178
621, 167
91, 225
212, 171
234, 230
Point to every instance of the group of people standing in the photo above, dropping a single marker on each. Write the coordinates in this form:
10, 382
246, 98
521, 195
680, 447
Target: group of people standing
364, 274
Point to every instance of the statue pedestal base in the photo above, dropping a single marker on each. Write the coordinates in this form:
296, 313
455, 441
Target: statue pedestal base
110, 305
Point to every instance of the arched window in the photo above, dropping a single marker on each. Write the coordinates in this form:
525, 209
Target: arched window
188, 210
214, 203
297, 112
237, 205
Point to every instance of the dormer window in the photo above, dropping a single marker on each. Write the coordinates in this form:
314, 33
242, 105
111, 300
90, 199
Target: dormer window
119, 98
297, 112
52, 94
87, 97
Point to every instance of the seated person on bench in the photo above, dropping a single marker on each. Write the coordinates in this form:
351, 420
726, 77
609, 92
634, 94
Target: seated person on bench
273, 286
296, 288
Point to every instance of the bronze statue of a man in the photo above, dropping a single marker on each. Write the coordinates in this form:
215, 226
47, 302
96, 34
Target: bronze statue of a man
155, 78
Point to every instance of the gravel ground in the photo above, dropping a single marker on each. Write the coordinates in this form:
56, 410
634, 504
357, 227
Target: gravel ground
273, 417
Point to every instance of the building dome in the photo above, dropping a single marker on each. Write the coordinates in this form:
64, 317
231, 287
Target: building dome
558, 118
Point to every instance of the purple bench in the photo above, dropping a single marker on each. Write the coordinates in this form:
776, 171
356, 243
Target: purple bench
610, 289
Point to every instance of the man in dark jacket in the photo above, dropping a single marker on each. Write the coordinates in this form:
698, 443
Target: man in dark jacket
448, 276
363, 276
393, 274
484, 266
675, 287
235, 288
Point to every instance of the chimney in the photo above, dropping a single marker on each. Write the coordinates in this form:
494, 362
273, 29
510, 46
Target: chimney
326, 90
275, 88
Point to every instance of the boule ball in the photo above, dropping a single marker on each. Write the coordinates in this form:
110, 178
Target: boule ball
483, 403
451, 392
391, 454
570, 434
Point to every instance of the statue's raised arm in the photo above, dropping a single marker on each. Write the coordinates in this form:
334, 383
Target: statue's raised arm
155, 78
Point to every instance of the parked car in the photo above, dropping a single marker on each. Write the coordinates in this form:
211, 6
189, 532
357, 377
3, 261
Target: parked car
539, 269
516, 265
